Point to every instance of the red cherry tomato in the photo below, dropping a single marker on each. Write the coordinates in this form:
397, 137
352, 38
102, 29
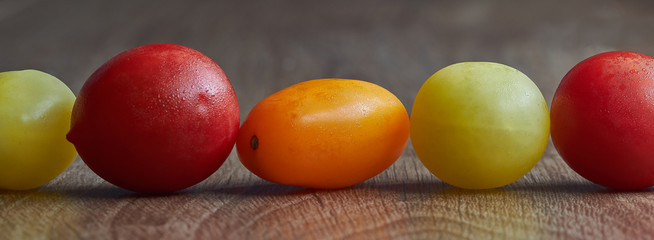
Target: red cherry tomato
156, 118
602, 119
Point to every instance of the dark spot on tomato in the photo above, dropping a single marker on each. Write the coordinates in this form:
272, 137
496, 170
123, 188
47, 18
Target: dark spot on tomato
254, 142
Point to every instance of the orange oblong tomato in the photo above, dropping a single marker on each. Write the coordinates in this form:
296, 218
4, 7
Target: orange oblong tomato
324, 133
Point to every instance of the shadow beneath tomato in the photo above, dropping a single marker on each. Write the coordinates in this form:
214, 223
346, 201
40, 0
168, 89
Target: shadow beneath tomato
96, 192
436, 186
412, 187
272, 189
108, 191
5, 193
83, 192
571, 187
263, 188
259, 188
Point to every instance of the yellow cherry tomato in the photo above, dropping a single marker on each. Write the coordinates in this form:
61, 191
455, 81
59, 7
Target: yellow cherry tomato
35, 112
479, 125
325, 133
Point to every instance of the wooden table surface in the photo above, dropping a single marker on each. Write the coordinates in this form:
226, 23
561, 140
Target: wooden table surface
265, 46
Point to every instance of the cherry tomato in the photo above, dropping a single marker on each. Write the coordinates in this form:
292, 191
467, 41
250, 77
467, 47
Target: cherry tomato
603, 119
156, 118
35, 110
325, 133
479, 125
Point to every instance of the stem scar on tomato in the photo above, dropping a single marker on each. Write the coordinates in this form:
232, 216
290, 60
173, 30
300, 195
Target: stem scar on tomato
254, 142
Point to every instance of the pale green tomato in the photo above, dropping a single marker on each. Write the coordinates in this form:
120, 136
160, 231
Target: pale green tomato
35, 111
479, 125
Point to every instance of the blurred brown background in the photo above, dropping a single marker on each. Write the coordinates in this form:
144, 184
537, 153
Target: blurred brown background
265, 46
397, 44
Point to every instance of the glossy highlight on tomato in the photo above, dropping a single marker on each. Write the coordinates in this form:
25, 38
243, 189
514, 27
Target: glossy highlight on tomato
324, 133
479, 125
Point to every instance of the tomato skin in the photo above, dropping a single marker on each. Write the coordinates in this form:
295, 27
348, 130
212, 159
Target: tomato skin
479, 125
603, 119
35, 112
155, 119
324, 133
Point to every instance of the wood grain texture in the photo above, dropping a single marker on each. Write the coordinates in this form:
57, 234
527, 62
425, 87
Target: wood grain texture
265, 46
